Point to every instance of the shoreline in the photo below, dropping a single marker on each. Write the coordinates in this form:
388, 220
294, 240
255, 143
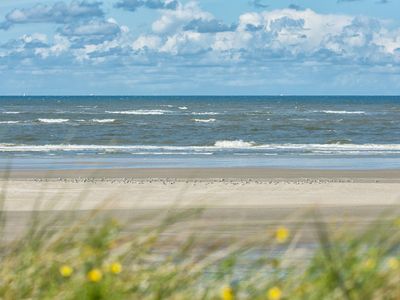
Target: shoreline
263, 175
236, 201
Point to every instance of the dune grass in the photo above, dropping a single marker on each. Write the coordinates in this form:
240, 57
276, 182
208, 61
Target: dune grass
92, 257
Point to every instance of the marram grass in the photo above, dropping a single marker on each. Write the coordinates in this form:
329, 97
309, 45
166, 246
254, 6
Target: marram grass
100, 259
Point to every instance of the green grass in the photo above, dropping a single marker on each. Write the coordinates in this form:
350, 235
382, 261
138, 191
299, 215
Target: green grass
67, 257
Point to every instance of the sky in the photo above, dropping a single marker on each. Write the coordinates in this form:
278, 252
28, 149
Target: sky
208, 47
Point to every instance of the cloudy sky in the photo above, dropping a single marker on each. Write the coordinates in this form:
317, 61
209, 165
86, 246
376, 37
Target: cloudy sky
164, 47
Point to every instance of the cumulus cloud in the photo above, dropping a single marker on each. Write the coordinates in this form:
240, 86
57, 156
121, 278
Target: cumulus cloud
24, 50
264, 48
192, 37
92, 31
59, 13
132, 5
290, 34
173, 21
147, 42
208, 26
82, 34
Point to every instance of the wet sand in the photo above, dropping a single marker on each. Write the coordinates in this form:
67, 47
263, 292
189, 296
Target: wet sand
384, 175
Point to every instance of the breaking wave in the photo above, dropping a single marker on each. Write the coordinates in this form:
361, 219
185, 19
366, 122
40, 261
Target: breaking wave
218, 146
204, 120
103, 120
53, 121
140, 112
341, 112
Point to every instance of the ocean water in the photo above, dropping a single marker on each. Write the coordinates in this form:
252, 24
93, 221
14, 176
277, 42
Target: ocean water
343, 132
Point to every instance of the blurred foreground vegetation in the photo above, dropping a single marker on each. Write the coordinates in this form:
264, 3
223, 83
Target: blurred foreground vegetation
96, 258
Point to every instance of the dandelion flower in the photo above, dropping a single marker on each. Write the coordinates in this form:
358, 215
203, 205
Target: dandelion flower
274, 293
116, 268
282, 234
393, 263
95, 275
227, 293
66, 271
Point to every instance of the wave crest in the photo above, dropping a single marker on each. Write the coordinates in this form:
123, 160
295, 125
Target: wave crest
233, 144
219, 146
53, 121
11, 112
204, 120
103, 120
140, 112
9, 122
211, 113
341, 112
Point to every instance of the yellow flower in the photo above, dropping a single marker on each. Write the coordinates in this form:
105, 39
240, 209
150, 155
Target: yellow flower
282, 234
65, 271
397, 222
369, 264
274, 293
95, 275
116, 268
393, 263
227, 293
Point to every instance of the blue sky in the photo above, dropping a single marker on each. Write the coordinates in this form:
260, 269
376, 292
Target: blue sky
164, 47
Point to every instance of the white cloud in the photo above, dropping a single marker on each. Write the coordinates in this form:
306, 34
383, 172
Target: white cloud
29, 38
133, 5
100, 28
152, 42
191, 36
172, 21
59, 12
185, 43
288, 34
60, 45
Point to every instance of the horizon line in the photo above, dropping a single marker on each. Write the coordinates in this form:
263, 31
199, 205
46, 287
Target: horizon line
201, 95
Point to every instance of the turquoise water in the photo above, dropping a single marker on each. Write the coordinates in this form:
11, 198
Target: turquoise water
304, 132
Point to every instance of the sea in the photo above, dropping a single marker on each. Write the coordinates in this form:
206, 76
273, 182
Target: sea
312, 132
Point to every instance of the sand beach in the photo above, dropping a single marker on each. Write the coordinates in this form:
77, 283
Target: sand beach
234, 201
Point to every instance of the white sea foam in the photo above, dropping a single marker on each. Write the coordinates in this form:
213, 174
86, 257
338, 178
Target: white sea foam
218, 146
204, 120
140, 112
302, 119
233, 144
53, 121
183, 107
103, 120
11, 112
211, 113
9, 122
341, 112
171, 153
